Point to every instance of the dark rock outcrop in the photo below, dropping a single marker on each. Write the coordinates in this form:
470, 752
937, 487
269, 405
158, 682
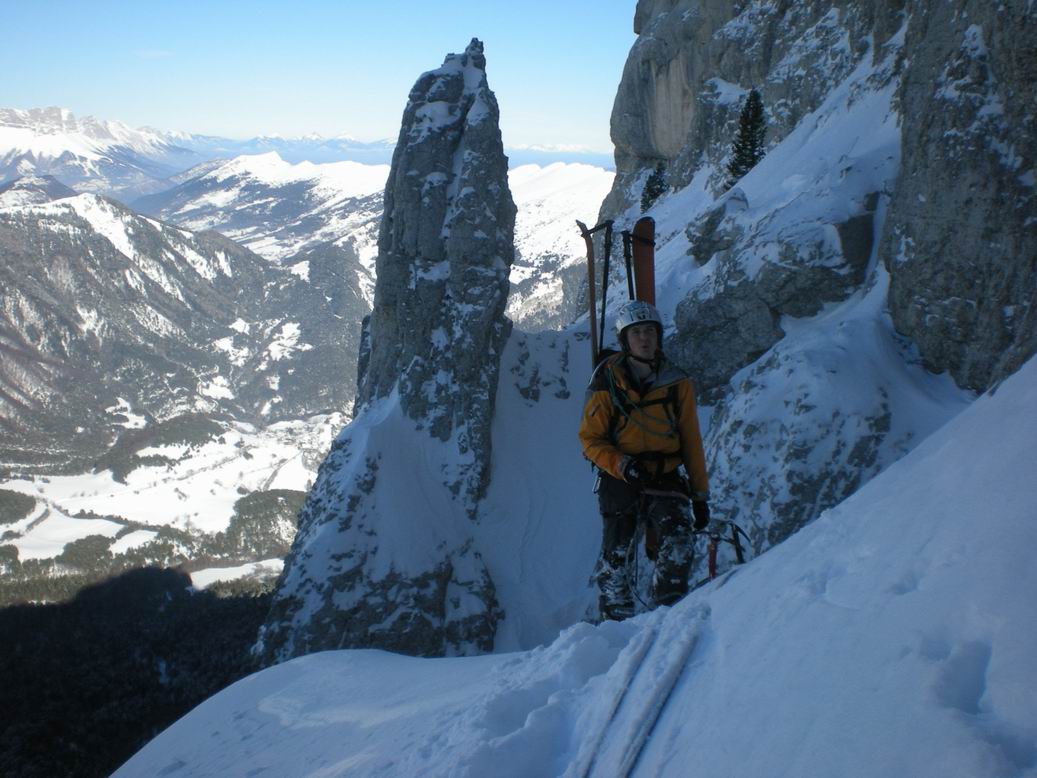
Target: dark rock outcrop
961, 237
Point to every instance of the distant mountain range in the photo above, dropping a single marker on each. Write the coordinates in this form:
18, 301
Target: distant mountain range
280, 210
101, 303
89, 155
288, 212
109, 157
171, 368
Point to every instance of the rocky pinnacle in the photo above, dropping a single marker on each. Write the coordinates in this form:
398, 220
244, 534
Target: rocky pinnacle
444, 253
385, 555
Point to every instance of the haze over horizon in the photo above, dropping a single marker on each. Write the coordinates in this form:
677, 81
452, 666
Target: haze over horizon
240, 70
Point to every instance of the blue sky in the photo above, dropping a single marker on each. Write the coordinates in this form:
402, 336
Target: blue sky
240, 69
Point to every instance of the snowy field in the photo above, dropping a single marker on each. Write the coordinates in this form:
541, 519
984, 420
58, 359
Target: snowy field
549, 201
195, 491
894, 636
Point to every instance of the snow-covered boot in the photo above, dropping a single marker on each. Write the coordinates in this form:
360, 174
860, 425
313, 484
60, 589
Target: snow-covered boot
616, 602
676, 550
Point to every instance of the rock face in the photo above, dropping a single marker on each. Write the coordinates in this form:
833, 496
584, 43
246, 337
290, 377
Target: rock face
961, 238
694, 61
385, 554
929, 213
678, 104
444, 252
765, 268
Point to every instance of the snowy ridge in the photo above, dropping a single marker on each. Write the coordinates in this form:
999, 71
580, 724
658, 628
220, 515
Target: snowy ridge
345, 179
32, 190
890, 620
549, 200
98, 156
281, 210
48, 133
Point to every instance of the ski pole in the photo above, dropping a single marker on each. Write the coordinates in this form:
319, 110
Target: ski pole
739, 554
605, 278
590, 290
628, 259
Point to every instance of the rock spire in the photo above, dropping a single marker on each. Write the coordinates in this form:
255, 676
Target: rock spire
385, 555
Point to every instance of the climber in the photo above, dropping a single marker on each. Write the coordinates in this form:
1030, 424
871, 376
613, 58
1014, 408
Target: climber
639, 428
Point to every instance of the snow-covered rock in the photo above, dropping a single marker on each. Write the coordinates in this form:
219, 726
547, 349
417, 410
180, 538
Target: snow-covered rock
380, 560
961, 235
960, 158
789, 295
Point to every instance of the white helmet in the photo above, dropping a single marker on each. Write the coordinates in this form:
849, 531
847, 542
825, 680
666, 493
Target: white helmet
637, 312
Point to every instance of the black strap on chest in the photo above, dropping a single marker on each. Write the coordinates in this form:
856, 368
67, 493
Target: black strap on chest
624, 407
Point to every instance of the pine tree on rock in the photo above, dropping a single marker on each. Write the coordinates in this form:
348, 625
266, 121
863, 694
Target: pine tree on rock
654, 187
747, 149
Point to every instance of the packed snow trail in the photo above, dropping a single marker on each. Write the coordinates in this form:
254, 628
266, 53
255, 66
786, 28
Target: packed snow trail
641, 699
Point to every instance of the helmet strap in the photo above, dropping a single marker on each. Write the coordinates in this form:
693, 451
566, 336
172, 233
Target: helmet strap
652, 363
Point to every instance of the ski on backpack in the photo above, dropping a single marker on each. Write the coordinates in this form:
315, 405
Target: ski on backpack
639, 257
642, 238
597, 338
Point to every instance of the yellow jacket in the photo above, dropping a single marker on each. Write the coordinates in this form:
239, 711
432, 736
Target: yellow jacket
623, 419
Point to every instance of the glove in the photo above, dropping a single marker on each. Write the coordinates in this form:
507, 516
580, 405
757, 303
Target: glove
632, 473
701, 510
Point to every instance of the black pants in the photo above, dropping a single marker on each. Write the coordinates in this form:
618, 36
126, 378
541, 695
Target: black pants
622, 506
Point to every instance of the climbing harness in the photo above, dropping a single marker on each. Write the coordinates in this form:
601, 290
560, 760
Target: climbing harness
719, 531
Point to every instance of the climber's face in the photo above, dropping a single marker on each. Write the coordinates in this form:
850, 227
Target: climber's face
643, 340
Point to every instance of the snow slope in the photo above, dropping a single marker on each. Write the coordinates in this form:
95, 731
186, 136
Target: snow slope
550, 199
894, 636
276, 208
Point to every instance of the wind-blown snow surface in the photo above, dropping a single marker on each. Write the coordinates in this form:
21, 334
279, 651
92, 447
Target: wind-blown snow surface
894, 636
